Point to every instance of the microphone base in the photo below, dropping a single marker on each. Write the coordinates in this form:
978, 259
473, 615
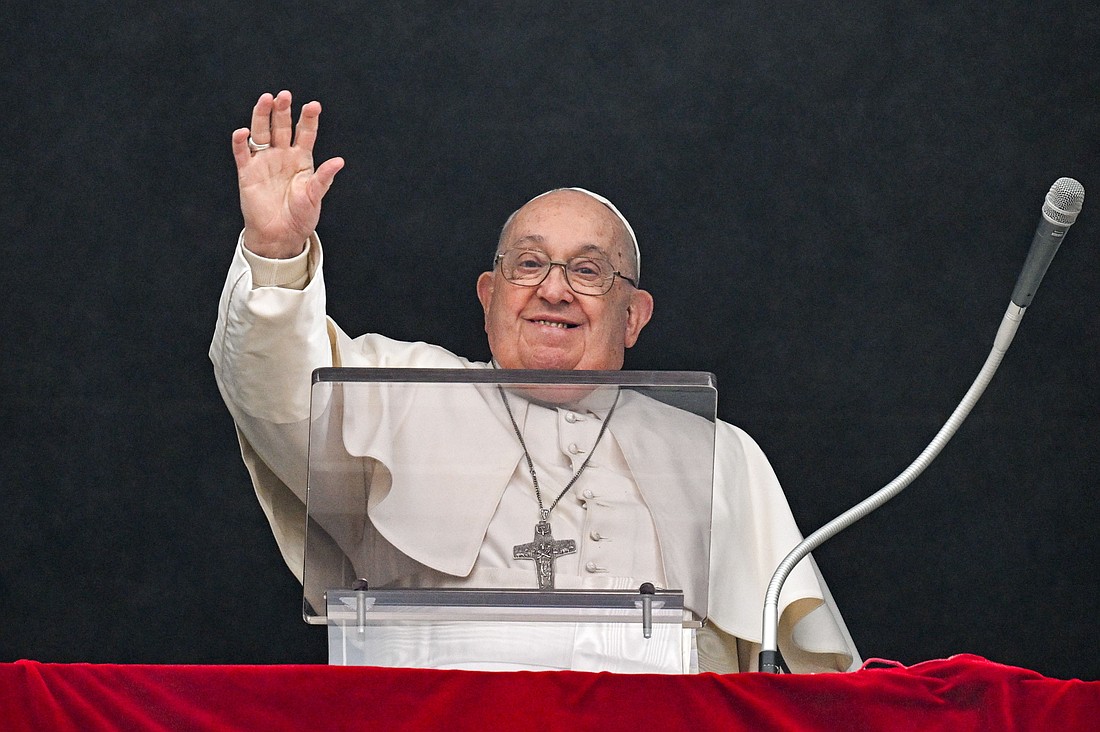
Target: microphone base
771, 662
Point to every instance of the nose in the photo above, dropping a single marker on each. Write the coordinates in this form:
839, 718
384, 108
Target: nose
555, 287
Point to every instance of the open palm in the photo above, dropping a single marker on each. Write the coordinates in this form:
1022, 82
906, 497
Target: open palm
280, 189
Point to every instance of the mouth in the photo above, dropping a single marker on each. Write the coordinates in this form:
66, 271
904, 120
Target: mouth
553, 323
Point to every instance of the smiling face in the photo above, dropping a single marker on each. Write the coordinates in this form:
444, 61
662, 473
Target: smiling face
551, 326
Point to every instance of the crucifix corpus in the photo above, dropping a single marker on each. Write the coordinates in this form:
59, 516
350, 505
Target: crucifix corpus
544, 550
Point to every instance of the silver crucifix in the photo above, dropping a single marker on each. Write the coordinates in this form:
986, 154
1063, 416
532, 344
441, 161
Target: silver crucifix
544, 550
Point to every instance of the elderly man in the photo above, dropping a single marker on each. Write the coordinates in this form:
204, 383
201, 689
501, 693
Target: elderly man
563, 294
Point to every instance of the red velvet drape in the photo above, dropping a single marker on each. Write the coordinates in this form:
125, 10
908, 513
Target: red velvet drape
961, 693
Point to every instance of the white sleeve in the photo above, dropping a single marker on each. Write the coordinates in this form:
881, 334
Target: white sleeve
753, 531
271, 333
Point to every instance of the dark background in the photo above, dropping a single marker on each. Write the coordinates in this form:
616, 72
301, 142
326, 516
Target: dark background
833, 201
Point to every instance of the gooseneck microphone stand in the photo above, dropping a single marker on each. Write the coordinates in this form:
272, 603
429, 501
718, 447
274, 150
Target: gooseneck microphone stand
1060, 210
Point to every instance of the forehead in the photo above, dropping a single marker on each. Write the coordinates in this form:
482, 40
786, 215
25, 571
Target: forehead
567, 220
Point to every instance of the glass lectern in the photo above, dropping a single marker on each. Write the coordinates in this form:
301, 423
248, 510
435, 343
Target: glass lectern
494, 519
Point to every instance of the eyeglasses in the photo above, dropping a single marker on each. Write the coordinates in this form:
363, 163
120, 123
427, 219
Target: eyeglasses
586, 275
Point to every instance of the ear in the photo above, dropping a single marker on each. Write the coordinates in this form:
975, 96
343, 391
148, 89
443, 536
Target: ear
485, 290
638, 313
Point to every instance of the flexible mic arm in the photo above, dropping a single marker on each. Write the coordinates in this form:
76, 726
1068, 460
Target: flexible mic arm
769, 655
1062, 204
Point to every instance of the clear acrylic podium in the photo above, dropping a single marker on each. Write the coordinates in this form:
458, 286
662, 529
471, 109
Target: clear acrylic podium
412, 559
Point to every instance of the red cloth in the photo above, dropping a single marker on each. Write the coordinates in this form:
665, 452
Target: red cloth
960, 693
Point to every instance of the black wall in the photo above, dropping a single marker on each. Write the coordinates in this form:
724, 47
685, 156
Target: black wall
833, 202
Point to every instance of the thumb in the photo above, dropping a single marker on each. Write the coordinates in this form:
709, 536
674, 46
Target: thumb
322, 178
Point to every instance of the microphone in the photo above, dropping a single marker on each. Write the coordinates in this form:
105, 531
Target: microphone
1060, 210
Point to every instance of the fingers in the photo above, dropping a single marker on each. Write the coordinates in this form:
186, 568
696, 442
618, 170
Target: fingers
261, 119
306, 132
241, 153
272, 125
281, 123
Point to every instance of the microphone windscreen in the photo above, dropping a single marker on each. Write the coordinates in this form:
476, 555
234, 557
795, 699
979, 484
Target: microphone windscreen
1063, 203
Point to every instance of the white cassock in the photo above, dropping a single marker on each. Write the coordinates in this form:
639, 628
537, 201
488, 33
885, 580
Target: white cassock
272, 332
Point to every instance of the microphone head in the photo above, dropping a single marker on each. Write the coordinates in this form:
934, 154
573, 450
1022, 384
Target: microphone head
1063, 202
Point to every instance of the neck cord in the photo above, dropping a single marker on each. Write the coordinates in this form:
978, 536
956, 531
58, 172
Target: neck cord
545, 512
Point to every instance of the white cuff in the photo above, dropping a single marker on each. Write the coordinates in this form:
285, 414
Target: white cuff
293, 273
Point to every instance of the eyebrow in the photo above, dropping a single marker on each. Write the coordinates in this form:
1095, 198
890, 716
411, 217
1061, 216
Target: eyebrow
537, 239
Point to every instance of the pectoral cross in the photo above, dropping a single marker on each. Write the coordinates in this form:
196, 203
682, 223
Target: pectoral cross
544, 550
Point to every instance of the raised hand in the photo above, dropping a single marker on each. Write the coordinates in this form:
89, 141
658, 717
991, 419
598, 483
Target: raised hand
281, 191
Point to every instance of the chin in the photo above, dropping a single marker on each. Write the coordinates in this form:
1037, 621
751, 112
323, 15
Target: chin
548, 359
571, 364
551, 364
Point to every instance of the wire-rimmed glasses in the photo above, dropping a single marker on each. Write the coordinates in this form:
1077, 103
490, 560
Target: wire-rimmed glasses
585, 274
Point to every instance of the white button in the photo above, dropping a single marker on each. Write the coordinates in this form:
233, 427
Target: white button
596, 536
570, 417
592, 567
575, 449
588, 493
